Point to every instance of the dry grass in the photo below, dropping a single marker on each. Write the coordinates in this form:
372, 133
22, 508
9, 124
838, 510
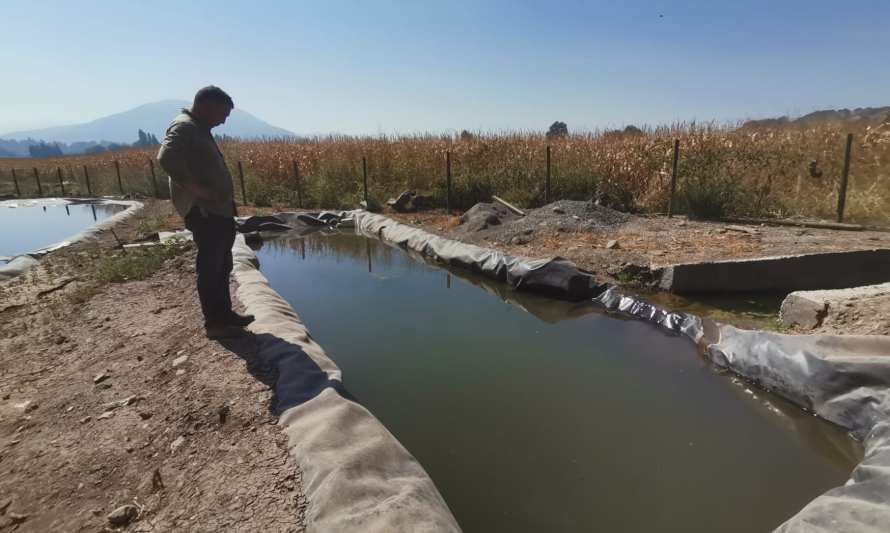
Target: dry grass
760, 173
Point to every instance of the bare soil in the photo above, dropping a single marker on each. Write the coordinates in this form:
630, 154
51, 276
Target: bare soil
111, 395
581, 234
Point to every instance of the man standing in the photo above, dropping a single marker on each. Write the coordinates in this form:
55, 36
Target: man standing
202, 192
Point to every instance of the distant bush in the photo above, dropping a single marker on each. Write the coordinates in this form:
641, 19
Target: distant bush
557, 129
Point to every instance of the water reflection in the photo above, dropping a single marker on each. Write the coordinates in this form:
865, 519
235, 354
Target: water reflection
36, 228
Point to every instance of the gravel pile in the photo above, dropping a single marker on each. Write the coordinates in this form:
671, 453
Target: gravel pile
563, 215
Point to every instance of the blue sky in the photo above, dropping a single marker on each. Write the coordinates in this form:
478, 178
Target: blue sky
370, 67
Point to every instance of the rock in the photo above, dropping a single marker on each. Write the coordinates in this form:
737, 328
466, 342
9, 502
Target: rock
106, 415
482, 216
25, 406
123, 515
576, 218
520, 239
17, 518
4, 505
85, 419
99, 378
223, 413
180, 372
180, 360
177, 444
144, 415
682, 223
32, 406
613, 245
559, 210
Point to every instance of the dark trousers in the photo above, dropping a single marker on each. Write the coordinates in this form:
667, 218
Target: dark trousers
214, 236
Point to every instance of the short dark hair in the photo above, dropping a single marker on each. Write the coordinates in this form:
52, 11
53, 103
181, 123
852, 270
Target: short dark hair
212, 93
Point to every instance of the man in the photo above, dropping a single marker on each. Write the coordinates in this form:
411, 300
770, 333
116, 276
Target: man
201, 189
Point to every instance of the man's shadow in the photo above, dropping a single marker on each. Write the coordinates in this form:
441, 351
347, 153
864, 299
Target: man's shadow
283, 367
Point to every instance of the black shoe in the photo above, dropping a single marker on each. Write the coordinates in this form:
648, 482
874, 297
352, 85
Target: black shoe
237, 319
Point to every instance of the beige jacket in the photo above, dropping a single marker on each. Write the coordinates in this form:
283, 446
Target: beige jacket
189, 154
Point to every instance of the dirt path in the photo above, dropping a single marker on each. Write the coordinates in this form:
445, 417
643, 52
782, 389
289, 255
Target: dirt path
112, 396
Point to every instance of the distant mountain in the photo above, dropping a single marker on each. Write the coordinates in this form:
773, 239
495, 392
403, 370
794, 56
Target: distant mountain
862, 115
152, 118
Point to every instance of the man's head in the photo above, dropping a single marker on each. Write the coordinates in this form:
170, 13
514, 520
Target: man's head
212, 106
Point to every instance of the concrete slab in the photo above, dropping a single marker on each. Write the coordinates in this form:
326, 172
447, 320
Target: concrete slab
808, 310
834, 270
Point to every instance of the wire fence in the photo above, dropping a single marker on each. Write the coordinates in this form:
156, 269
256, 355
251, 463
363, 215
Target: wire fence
704, 175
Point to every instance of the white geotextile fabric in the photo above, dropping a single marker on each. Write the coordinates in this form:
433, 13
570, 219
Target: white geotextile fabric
21, 263
356, 476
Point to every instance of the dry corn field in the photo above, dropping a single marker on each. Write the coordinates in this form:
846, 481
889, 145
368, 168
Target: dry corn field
722, 170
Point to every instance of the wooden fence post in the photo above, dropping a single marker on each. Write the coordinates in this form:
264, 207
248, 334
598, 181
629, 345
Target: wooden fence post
154, 180
120, 184
15, 180
842, 192
61, 183
243, 190
674, 177
39, 187
86, 174
448, 181
299, 185
365, 180
547, 183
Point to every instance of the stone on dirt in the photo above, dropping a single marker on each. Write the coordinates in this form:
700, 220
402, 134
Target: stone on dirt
483, 216
123, 515
613, 245
180, 361
177, 444
99, 378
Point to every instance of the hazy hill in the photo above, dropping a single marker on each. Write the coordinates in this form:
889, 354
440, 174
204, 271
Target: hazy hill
862, 115
153, 118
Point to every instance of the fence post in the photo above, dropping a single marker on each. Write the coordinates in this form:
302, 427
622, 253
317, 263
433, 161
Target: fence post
86, 174
547, 183
448, 181
15, 180
299, 187
243, 190
365, 180
61, 183
154, 181
842, 193
120, 184
674, 177
37, 177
